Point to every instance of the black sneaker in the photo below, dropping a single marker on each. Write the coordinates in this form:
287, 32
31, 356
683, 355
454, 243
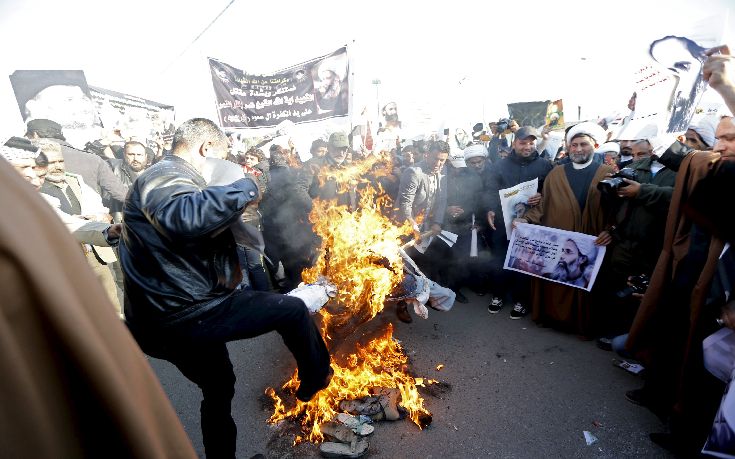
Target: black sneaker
518, 311
495, 305
460, 298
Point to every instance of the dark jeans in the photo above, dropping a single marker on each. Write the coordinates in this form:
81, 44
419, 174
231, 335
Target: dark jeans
510, 286
251, 264
198, 348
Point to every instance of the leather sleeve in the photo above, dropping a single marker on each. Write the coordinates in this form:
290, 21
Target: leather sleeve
178, 209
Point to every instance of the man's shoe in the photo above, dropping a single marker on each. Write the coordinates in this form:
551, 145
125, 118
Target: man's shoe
518, 312
637, 397
495, 305
402, 312
307, 391
459, 297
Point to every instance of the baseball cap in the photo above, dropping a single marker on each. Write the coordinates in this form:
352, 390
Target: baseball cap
339, 140
526, 132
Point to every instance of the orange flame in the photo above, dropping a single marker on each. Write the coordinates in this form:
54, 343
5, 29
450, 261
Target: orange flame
359, 254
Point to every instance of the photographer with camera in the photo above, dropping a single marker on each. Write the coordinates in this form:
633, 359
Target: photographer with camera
500, 140
637, 199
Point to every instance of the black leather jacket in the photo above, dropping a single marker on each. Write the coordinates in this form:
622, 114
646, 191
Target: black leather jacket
176, 251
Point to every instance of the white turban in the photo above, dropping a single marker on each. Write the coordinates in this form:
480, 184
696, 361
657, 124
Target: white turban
609, 147
586, 248
706, 128
588, 128
13, 154
473, 151
457, 160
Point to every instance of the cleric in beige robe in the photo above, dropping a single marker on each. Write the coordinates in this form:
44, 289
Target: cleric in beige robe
570, 201
75, 384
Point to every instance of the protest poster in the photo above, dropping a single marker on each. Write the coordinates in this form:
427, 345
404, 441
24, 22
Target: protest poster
555, 115
514, 202
669, 85
556, 255
311, 91
133, 116
529, 113
59, 95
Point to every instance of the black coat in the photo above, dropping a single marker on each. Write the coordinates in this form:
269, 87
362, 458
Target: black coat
178, 256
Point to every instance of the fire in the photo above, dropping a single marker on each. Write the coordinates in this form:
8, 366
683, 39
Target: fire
359, 254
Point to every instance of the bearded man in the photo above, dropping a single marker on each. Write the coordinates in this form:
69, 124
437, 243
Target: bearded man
571, 201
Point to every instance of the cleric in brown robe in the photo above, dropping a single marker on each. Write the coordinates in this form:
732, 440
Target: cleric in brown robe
674, 316
571, 201
75, 383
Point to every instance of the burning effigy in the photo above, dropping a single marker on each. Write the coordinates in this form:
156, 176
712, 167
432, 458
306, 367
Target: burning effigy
361, 255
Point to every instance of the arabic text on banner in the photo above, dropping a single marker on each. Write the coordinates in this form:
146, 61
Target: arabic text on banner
315, 90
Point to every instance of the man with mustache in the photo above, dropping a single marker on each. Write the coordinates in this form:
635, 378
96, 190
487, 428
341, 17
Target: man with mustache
571, 201
572, 265
78, 199
133, 163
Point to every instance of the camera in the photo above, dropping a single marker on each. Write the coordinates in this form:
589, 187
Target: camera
638, 284
612, 184
502, 125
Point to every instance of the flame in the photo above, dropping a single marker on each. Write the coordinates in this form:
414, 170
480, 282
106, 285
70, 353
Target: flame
359, 254
381, 363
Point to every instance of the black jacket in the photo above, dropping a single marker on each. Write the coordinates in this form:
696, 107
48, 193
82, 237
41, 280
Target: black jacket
176, 251
510, 172
127, 176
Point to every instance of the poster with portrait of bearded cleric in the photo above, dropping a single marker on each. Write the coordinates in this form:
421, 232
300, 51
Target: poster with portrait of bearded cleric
556, 255
669, 84
58, 95
311, 91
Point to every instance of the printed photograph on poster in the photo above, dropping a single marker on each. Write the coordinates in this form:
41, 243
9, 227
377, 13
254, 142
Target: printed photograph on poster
514, 202
669, 85
555, 115
310, 91
556, 255
59, 95
133, 116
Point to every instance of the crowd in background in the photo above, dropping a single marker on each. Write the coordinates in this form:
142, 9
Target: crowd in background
659, 292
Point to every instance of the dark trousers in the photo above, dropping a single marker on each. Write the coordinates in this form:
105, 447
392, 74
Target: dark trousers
510, 286
198, 348
251, 264
466, 271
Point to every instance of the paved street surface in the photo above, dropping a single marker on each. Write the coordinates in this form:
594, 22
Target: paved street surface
512, 390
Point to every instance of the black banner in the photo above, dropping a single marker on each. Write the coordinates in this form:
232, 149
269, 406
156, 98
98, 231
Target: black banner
315, 90
529, 113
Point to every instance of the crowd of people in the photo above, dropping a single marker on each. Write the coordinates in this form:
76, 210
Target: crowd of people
155, 235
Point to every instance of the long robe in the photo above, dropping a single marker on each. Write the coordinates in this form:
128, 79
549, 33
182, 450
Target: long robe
667, 333
563, 307
74, 382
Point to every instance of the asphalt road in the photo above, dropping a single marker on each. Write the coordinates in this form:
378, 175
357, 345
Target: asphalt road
510, 390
